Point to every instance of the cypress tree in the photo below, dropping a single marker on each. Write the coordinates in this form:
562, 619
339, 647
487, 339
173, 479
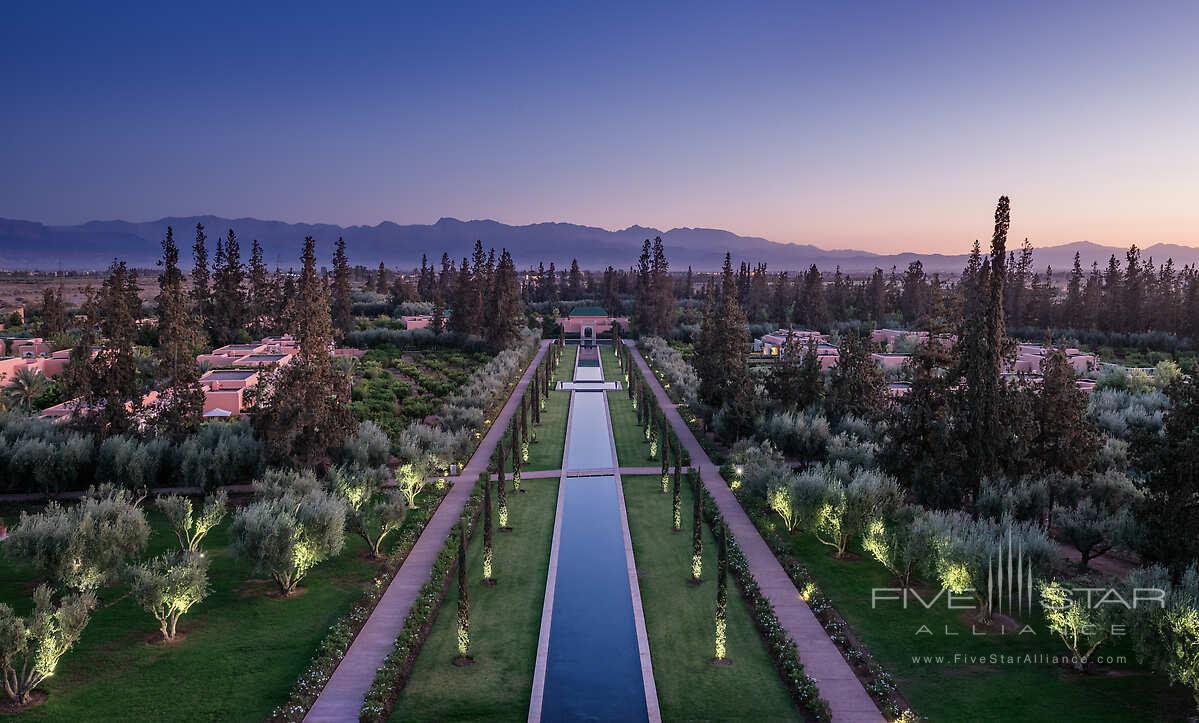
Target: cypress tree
502, 489
697, 533
676, 503
722, 596
536, 392
665, 465
524, 429
488, 554
982, 345
463, 603
515, 439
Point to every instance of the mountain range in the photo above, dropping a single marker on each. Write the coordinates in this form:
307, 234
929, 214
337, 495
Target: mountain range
29, 245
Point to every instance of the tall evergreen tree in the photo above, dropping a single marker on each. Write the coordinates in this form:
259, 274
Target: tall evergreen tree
259, 293
857, 385
488, 551
1169, 514
342, 311
228, 295
305, 411
54, 313
115, 394
464, 657
181, 398
661, 290
982, 346
505, 308
697, 532
201, 292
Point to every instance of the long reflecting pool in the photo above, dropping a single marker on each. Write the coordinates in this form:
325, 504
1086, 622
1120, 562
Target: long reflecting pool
588, 435
594, 669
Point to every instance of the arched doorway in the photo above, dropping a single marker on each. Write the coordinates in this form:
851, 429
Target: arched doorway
588, 336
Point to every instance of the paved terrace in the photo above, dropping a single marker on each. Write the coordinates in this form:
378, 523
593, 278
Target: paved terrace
342, 697
847, 698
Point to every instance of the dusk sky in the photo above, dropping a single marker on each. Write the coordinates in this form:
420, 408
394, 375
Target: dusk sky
880, 126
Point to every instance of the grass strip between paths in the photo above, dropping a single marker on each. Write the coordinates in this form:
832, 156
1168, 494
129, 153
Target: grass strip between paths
505, 623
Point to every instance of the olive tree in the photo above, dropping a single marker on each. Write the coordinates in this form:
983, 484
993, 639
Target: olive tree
1166, 631
964, 550
849, 506
411, 481
85, 546
191, 528
897, 543
31, 647
371, 513
168, 586
1091, 529
289, 534
1082, 623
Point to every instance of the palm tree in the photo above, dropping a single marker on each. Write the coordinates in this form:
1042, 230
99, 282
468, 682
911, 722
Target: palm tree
25, 387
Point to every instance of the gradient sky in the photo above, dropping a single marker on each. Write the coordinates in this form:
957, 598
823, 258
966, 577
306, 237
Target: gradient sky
882, 126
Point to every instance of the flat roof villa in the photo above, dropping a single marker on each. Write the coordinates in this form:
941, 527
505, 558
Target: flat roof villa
590, 321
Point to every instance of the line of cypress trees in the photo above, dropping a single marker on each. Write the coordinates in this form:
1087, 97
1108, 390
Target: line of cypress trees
722, 596
463, 603
697, 533
488, 551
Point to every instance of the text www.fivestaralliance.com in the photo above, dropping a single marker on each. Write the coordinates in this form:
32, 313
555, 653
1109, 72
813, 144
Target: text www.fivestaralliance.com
1027, 659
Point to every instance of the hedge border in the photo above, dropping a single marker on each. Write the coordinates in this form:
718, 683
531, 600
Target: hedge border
783, 649
393, 674
344, 631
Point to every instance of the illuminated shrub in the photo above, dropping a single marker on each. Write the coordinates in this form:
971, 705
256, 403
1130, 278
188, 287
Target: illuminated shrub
190, 528
288, 535
85, 546
964, 548
168, 586
31, 647
1081, 625
897, 543
371, 513
411, 481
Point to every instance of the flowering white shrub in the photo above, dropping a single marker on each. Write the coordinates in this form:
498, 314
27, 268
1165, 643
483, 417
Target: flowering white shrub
676, 372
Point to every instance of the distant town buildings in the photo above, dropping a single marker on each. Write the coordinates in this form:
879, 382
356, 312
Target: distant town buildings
896, 346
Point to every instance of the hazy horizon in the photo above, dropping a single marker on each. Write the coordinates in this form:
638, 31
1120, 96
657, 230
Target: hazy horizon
871, 127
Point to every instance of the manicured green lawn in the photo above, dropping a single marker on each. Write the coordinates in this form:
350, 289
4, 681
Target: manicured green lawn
984, 691
546, 452
631, 448
505, 623
680, 623
242, 654
612, 370
566, 364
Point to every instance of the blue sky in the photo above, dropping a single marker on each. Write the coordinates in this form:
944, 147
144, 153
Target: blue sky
882, 126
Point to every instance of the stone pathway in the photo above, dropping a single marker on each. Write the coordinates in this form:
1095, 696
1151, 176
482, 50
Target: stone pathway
342, 697
847, 698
